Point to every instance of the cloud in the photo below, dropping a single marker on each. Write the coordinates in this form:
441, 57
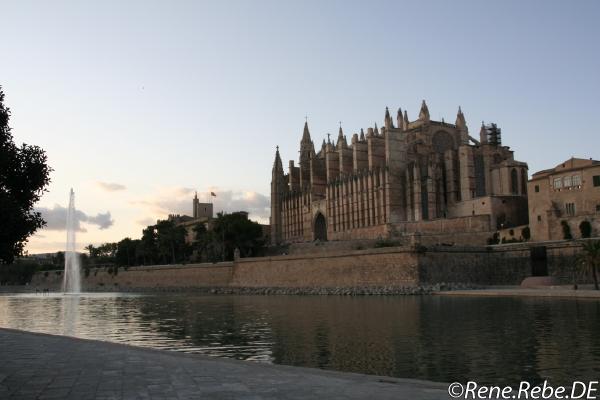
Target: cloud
256, 204
104, 221
56, 219
111, 186
178, 200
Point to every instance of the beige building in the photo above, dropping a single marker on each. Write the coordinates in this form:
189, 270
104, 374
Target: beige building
202, 213
409, 177
570, 192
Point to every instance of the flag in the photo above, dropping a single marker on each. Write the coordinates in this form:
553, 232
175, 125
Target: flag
213, 194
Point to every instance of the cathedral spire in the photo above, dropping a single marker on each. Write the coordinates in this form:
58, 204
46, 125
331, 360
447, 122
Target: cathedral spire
460, 123
307, 148
405, 120
362, 134
306, 133
277, 165
376, 131
388, 120
399, 120
341, 142
424, 113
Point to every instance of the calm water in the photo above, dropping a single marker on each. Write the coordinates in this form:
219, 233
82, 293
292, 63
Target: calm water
491, 340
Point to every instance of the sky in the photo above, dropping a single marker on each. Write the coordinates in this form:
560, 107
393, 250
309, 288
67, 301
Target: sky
138, 104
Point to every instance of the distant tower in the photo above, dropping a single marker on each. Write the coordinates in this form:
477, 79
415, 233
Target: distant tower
195, 205
201, 210
277, 191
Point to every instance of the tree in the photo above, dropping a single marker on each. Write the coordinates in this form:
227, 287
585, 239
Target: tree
526, 233
92, 250
59, 259
235, 230
171, 241
125, 254
201, 241
24, 176
589, 259
148, 247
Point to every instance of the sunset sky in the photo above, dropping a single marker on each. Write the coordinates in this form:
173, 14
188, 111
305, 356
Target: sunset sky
139, 104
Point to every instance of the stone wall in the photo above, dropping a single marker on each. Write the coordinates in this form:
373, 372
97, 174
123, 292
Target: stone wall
373, 267
305, 248
476, 223
478, 266
561, 262
471, 230
161, 276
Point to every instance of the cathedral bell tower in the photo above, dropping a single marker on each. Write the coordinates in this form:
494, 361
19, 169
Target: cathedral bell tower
307, 151
277, 191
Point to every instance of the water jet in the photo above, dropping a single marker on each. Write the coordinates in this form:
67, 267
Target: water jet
72, 277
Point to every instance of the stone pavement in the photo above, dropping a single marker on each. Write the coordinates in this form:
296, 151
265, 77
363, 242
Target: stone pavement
550, 291
40, 366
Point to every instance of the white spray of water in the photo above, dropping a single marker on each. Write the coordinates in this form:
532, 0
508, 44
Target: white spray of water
72, 279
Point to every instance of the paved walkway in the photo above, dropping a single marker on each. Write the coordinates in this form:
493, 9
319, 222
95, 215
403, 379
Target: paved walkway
39, 366
551, 291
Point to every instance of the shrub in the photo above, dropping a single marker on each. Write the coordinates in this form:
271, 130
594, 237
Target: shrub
386, 243
421, 249
526, 233
19, 273
495, 239
586, 229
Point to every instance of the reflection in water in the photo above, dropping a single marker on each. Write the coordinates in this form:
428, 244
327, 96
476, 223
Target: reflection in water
70, 314
490, 340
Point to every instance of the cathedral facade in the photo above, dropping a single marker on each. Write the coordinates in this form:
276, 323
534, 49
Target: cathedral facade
409, 177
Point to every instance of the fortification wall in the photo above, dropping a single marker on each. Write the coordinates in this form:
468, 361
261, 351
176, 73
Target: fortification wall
367, 232
151, 277
479, 266
379, 267
373, 267
302, 249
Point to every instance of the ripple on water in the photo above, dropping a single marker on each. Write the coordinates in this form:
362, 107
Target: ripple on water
493, 340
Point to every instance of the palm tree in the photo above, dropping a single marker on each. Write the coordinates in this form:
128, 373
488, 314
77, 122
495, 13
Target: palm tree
91, 249
589, 259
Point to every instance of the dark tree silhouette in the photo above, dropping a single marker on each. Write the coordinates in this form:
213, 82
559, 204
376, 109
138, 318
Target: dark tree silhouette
24, 176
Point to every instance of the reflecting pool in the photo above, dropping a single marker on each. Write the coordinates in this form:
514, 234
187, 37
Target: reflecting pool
489, 340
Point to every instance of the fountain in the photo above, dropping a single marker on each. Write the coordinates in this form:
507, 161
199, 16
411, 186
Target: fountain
72, 279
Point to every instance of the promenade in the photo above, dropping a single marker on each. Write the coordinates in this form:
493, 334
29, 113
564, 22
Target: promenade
565, 292
40, 366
